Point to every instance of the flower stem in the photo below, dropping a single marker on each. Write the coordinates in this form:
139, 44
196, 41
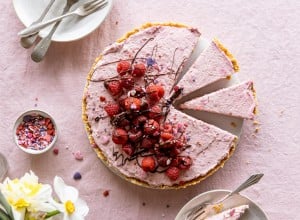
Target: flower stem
50, 214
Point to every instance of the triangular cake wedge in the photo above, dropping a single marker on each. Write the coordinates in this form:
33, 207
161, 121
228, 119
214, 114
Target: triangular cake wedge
237, 101
230, 214
214, 64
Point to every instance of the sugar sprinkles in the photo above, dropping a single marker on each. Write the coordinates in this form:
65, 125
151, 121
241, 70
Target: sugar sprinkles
35, 132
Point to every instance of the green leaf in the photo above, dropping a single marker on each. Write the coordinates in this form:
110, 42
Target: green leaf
6, 206
4, 216
50, 214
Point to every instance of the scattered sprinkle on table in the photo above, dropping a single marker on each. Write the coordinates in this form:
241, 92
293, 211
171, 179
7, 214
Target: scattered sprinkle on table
77, 176
106, 193
78, 155
55, 151
35, 132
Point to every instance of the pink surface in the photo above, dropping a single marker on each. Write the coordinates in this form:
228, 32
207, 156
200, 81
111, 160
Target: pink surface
263, 36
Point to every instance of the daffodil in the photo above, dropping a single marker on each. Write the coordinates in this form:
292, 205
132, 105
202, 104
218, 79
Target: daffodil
72, 207
27, 195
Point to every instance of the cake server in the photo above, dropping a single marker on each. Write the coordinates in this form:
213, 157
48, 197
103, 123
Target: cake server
28, 41
82, 11
41, 48
200, 212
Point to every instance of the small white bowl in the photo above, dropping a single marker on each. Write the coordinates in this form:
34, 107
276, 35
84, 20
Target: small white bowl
20, 120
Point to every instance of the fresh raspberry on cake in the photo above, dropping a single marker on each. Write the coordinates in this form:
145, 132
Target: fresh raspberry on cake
139, 70
148, 164
155, 92
166, 136
173, 173
114, 87
120, 136
128, 149
155, 112
127, 82
112, 109
123, 67
185, 162
132, 103
151, 127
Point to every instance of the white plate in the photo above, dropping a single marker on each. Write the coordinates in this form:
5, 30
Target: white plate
71, 28
253, 213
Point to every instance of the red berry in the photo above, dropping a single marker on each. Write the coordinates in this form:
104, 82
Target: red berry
55, 151
155, 112
112, 109
163, 161
139, 121
135, 136
151, 127
102, 99
128, 149
155, 92
148, 164
172, 173
127, 82
167, 127
119, 136
166, 136
132, 103
123, 67
148, 143
114, 87
185, 162
139, 70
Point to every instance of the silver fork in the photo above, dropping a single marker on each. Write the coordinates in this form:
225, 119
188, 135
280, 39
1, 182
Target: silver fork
82, 10
197, 211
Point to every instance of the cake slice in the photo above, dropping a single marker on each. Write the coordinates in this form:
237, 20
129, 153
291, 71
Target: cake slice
237, 101
230, 214
214, 64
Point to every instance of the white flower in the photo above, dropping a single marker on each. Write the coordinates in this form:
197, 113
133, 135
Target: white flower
71, 206
27, 194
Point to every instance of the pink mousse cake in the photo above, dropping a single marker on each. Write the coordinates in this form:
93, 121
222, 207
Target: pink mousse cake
230, 214
237, 101
214, 64
129, 115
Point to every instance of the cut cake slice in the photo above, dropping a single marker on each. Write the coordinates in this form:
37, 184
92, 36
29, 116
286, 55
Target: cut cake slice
214, 64
230, 214
237, 101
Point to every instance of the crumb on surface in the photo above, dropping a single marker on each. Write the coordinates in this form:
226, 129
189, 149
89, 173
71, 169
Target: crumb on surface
106, 193
233, 124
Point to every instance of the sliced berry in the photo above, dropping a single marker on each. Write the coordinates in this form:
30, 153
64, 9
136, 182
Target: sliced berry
155, 112
119, 136
173, 173
185, 162
151, 127
123, 67
112, 109
139, 70
148, 164
127, 82
155, 92
114, 87
132, 103
128, 149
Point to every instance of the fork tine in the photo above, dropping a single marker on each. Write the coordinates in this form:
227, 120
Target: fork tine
87, 4
92, 4
97, 6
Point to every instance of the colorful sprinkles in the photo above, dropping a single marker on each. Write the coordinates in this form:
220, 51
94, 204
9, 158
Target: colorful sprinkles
35, 132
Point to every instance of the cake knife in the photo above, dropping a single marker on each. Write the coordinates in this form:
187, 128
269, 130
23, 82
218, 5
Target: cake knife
41, 48
28, 41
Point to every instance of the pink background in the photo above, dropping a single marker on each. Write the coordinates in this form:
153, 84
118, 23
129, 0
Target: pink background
263, 35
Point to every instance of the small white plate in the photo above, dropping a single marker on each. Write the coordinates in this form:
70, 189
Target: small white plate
71, 28
253, 213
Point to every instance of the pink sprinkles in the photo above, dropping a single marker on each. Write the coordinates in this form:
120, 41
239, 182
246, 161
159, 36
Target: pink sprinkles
35, 132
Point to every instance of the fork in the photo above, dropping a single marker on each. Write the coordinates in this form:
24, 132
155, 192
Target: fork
197, 211
81, 11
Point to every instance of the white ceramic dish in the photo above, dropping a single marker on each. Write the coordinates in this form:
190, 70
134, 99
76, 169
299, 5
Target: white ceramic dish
71, 28
20, 119
253, 213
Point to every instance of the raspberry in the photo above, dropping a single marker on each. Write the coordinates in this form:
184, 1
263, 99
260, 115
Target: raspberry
135, 136
148, 164
127, 82
123, 67
119, 136
155, 92
167, 127
166, 136
151, 127
132, 103
114, 87
172, 173
148, 143
185, 162
139, 70
139, 92
139, 121
155, 112
112, 109
128, 149
163, 161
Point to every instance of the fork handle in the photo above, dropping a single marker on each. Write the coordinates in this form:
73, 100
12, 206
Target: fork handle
249, 182
36, 27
